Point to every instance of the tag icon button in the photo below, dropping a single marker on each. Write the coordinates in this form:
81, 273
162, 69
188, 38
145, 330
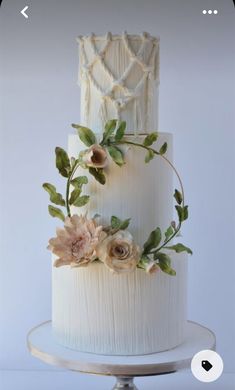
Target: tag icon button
206, 365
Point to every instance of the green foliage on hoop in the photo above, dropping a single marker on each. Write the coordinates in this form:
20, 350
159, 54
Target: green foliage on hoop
113, 139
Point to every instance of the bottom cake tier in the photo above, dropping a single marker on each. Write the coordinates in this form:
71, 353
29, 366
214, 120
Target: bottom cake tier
96, 311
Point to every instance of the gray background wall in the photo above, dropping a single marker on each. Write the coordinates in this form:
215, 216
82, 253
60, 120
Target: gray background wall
39, 100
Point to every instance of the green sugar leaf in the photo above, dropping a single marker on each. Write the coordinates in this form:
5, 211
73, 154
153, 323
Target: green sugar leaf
115, 222
185, 212
110, 126
149, 156
116, 155
150, 139
167, 270
164, 262
163, 148
143, 262
55, 197
81, 201
118, 224
163, 258
182, 212
169, 232
49, 188
178, 196
85, 134
178, 248
120, 131
62, 162
56, 213
98, 175
79, 181
153, 241
74, 196
125, 224
109, 130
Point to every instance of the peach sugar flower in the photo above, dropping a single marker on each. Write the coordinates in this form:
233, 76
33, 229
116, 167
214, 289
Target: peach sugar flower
118, 252
76, 244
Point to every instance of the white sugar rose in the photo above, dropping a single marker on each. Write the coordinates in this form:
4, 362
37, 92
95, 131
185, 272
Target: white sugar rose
95, 157
119, 252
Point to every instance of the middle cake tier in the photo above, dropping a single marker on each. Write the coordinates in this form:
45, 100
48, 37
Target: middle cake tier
140, 191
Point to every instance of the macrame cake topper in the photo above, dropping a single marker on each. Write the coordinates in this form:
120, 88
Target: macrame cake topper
149, 73
83, 240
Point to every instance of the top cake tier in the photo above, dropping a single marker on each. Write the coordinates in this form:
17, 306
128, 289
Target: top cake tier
119, 78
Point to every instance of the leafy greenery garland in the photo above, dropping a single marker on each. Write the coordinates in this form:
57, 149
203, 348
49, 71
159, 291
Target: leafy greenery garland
114, 136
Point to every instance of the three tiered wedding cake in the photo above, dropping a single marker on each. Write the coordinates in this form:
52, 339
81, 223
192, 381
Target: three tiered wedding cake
119, 281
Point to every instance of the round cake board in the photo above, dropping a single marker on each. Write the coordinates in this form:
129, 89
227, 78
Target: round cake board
42, 345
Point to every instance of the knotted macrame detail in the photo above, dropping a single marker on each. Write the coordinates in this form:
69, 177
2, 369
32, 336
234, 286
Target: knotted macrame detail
143, 88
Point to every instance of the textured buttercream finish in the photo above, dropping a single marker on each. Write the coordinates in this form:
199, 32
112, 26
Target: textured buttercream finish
119, 77
97, 311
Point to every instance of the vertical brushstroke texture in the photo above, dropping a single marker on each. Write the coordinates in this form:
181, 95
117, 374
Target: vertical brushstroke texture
97, 311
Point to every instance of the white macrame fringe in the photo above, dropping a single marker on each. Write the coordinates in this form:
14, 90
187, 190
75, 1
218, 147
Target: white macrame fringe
129, 95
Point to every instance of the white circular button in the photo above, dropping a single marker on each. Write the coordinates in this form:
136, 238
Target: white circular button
207, 366
210, 12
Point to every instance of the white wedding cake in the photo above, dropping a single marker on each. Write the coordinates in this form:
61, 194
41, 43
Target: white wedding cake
122, 300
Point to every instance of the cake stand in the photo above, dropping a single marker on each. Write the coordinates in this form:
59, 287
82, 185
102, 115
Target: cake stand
42, 345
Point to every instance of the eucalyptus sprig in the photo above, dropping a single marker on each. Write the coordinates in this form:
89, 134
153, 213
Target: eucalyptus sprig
111, 127
67, 168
